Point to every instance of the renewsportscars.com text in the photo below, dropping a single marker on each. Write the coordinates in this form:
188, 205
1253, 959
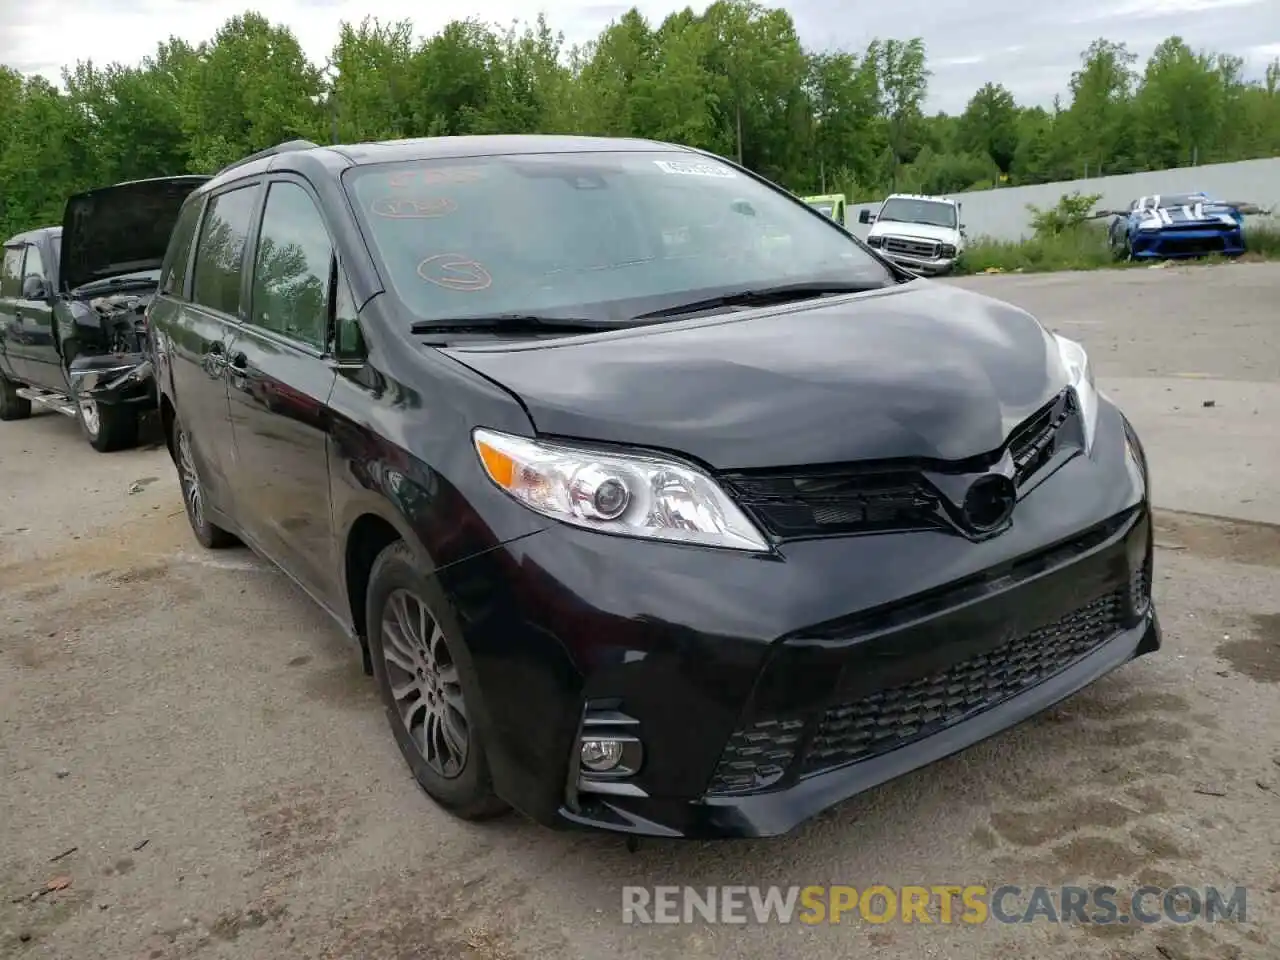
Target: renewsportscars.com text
939, 903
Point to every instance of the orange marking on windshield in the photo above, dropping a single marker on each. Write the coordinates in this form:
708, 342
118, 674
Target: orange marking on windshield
407, 178
453, 271
409, 208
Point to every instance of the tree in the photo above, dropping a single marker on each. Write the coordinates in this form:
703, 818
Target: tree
989, 125
734, 80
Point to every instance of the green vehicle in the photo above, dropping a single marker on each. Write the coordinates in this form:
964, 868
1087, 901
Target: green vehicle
833, 205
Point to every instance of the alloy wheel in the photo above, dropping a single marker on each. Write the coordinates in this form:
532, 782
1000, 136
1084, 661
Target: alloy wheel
190, 479
425, 684
89, 416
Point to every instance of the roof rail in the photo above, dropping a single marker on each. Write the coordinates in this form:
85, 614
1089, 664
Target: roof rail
289, 146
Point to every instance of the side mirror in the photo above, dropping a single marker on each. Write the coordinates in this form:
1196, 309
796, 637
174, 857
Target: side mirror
963, 228
864, 216
34, 288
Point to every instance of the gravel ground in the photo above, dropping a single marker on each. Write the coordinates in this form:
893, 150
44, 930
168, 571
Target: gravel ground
189, 750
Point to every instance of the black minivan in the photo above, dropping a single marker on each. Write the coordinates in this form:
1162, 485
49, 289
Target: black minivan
656, 501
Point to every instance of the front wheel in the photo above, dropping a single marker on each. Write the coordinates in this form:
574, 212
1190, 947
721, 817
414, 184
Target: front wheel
427, 686
210, 535
108, 427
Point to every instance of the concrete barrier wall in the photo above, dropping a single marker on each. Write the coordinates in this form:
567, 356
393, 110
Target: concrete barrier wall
1003, 215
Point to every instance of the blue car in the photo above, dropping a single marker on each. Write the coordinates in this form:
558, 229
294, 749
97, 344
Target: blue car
1177, 225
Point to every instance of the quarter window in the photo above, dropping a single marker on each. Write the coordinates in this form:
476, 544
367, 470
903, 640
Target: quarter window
350, 341
293, 267
173, 279
220, 253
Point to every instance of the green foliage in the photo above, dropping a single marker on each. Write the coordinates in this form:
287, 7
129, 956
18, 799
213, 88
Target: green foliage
734, 80
1066, 216
1083, 247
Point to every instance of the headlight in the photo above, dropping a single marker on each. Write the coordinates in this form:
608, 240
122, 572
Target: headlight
1080, 376
630, 495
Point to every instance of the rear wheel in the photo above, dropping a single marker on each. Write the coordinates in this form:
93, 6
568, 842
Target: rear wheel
209, 535
109, 427
12, 406
428, 687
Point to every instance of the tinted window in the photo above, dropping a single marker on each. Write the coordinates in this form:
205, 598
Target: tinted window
11, 273
220, 252
34, 266
292, 267
174, 273
605, 234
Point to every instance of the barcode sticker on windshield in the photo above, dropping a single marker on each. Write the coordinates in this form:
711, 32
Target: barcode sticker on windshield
694, 169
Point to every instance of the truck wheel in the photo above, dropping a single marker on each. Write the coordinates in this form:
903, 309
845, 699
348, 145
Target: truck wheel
108, 427
12, 406
210, 535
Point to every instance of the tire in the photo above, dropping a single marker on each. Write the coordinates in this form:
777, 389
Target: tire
108, 428
12, 406
209, 535
464, 786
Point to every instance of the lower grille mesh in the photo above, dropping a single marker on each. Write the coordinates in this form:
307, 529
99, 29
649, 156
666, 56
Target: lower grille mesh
759, 755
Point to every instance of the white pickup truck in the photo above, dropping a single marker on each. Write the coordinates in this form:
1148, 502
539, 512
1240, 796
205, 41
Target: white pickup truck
923, 234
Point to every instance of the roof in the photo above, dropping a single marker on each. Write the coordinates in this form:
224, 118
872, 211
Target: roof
919, 196
433, 148
301, 154
30, 236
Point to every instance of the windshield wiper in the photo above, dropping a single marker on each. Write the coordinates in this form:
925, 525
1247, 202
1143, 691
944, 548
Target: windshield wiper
766, 296
512, 323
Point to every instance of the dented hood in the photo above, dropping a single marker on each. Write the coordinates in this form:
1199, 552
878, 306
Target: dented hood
120, 229
921, 370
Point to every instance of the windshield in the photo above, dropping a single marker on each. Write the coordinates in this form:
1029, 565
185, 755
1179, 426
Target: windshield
1183, 200
825, 207
600, 235
904, 210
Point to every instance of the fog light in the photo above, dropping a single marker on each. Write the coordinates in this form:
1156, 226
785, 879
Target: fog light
601, 756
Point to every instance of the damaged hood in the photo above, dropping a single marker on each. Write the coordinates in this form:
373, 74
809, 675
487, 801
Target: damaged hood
921, 370
120, 229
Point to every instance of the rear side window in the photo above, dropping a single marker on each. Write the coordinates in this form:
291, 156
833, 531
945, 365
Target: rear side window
11, 273
173, 276
220, 252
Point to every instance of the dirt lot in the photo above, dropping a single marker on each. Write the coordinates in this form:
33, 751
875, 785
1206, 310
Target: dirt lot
189, 749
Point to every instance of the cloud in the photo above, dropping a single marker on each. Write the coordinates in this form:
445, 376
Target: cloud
1031, 49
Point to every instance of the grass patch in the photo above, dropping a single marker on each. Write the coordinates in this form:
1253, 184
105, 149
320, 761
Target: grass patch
1084, 247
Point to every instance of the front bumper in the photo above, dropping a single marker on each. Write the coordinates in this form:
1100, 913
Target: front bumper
925, 267
1175, 244
765, 690
120, 378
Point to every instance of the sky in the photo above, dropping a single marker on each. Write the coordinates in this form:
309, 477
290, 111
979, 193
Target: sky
1030, 48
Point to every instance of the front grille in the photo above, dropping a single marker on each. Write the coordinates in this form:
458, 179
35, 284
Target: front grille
1192, 245
927, 249
892, 718
1140, 588
838, 502
1034, 443
884, 498
759, 754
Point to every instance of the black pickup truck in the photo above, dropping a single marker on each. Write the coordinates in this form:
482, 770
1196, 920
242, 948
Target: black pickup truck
72, 302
